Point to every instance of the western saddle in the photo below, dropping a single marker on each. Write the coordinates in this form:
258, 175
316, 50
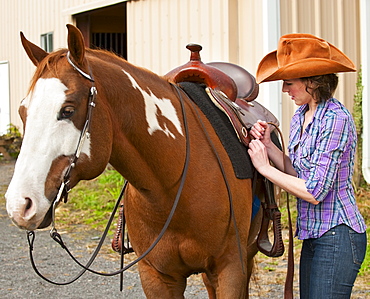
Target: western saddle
233, 90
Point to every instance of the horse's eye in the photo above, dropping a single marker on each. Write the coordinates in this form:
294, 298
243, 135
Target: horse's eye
66, 112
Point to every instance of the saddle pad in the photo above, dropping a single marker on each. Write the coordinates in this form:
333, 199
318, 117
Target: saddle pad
237, 152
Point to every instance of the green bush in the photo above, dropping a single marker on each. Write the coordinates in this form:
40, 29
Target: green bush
14, 136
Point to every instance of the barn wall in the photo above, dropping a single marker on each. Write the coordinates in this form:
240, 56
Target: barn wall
159, 31
238, 31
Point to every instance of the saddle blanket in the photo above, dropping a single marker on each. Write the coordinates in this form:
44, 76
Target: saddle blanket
237, 152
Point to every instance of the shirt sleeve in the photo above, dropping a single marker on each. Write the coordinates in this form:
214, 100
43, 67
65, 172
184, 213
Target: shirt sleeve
326, 158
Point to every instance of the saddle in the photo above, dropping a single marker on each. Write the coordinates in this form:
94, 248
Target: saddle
233, 90
230, 87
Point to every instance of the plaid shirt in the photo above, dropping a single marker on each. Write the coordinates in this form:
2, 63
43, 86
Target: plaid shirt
323, 155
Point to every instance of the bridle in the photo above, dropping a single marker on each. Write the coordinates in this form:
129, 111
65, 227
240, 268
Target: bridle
64, 189
85, 134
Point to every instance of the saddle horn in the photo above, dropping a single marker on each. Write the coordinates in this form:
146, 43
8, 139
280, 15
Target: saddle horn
196, 71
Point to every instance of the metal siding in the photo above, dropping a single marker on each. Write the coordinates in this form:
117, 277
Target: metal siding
250, 34
4, 97
33, 17
159, 30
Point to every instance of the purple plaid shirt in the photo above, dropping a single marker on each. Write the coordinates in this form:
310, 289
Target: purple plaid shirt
323, 155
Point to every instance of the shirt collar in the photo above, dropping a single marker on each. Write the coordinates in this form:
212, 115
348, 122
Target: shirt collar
320, 110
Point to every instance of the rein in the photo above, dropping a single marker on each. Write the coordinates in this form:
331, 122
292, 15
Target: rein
57, 238
64, 189
288, 288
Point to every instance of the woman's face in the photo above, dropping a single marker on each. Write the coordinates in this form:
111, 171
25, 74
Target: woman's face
296, 89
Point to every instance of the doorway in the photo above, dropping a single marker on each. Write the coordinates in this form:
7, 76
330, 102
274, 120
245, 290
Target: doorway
105, 28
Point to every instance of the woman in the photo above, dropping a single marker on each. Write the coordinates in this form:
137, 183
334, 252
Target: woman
319, 168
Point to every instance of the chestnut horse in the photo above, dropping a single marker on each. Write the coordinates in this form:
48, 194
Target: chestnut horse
137, 125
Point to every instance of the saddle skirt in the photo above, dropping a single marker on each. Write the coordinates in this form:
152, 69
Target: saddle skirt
242, 114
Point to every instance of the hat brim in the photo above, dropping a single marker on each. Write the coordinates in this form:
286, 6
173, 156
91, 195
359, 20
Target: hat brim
268, 69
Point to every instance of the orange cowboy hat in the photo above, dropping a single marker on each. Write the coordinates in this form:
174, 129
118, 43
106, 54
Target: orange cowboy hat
302, 55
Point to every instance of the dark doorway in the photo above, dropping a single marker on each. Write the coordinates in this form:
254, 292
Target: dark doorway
105, 28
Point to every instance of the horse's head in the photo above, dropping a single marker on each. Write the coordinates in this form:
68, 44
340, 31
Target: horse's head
54, 114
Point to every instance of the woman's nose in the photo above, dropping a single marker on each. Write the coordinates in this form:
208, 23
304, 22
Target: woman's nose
284, 88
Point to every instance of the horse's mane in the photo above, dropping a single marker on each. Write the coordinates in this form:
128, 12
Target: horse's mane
107, 55
50, 62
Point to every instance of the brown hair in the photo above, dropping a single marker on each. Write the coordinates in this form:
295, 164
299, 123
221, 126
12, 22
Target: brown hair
321, 87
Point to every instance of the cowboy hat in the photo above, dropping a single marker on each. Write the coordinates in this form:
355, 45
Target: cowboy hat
302, 55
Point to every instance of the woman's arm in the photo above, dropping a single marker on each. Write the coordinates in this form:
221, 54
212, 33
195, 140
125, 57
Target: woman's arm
261, 131
296, 186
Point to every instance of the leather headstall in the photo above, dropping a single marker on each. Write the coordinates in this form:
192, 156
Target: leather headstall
64, 188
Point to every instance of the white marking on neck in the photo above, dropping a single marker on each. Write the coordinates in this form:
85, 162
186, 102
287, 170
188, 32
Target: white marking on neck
152, 105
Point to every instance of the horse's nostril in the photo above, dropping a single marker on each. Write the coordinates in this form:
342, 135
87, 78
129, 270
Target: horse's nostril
29, 203
29, 208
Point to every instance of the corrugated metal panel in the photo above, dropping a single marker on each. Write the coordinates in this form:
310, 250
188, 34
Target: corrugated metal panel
33, 17
159, 31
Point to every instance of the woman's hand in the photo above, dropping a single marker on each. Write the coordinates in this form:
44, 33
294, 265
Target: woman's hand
261, 131
258, 153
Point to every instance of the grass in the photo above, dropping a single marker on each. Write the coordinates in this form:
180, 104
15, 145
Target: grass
91, 202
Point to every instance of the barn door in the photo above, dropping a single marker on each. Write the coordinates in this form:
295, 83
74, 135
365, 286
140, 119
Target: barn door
105, 28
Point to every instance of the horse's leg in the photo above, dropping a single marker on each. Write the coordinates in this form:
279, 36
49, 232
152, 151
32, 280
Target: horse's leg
211, 283
230, 282
158, 285
210, 289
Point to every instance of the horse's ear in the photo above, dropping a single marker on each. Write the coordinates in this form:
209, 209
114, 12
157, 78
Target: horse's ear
76, 44
35, 53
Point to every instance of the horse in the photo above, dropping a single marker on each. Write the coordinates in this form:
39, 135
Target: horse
149, 131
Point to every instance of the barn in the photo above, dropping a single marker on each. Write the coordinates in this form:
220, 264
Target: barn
153, 34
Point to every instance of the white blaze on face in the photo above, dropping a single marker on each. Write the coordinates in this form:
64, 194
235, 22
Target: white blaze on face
152, 105
45, 139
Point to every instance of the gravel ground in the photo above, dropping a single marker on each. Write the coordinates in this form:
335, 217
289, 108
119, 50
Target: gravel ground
18, 279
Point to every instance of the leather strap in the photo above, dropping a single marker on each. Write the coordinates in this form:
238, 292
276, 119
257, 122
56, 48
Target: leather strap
233, 112
271, 213
119, 238
288, 288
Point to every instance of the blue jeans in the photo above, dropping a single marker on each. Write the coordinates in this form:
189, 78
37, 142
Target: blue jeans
329, 265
